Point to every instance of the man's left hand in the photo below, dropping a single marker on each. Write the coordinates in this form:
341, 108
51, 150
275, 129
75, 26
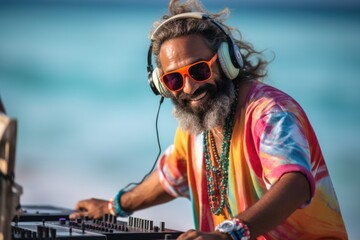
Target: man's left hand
193, 234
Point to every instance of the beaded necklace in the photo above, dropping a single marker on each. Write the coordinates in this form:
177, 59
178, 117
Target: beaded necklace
215, 187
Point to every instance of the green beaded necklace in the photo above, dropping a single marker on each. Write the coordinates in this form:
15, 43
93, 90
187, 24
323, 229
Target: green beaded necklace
213, 174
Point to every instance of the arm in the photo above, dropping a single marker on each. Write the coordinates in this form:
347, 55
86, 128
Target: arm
147, 194
282, 139
288, 194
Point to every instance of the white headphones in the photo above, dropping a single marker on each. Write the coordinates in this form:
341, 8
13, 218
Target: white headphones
228, 54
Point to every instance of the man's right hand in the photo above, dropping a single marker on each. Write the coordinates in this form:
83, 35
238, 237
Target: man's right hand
92, 208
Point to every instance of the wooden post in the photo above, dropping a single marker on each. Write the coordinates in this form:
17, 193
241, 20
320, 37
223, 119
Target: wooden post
9, 191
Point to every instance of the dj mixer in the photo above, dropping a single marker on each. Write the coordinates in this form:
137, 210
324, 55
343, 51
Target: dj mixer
49, 222
42, 222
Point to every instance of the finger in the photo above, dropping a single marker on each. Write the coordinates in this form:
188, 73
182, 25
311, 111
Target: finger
83, 212
79, 214
80, 205
75, 215
190, 234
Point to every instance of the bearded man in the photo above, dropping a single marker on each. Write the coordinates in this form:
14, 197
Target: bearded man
244, 153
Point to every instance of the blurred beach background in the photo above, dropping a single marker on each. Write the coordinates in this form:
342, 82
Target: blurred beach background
73, 73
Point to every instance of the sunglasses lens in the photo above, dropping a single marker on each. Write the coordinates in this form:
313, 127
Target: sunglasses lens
200, 71
173, 81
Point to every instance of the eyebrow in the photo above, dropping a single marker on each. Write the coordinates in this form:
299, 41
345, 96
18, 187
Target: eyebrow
195, 61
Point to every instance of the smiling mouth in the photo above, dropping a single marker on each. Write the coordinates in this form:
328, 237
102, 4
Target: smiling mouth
199, 97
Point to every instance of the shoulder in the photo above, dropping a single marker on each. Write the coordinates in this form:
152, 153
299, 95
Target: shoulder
268, 99
264, 92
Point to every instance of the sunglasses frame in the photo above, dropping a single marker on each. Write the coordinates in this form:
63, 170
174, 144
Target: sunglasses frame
184, 71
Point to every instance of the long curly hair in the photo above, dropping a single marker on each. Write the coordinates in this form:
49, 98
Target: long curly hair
254, 62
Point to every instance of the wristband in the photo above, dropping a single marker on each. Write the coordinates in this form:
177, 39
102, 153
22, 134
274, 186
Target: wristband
236, 228
111, 207
115, 206
242, 230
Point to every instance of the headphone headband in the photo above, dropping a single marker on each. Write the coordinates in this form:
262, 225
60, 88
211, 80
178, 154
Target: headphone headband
197, 15
229, 56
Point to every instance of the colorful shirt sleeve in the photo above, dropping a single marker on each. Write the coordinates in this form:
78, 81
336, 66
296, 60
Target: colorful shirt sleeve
283, 147
172, 169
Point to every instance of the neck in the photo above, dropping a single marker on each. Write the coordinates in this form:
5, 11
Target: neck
218, 131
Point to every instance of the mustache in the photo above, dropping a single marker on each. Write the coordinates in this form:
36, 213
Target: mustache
188, 97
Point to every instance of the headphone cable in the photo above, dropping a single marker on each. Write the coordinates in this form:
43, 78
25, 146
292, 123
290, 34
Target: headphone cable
159, 146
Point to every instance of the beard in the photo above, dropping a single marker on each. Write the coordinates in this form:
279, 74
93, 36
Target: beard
210, 114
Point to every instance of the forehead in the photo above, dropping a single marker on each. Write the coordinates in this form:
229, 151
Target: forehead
183, 50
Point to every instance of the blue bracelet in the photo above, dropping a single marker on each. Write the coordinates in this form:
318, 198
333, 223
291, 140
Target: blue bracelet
117, 206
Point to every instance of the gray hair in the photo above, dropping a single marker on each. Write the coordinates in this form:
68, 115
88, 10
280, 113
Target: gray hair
254, 62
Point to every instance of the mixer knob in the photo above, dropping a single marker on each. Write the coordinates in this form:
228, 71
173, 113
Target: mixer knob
53, 233
47, 232
22, 233
83, 227
62, 221
106, 217
142, 223
29, 234
162, 226
110, 218
131, 221
40, 231
151, 225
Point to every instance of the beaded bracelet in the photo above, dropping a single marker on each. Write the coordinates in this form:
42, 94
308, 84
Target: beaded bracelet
242, 230
236, 228
115, 206
111, 206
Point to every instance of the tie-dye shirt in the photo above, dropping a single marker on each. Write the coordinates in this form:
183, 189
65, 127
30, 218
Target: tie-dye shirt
271, 136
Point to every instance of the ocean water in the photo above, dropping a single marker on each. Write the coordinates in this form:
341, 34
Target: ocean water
74, 76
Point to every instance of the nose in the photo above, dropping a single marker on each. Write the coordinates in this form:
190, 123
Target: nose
190, 86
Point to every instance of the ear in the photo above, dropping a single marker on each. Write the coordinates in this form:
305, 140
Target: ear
225, 61
157, 83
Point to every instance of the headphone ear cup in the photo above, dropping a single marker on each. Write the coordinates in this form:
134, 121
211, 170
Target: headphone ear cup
225, 61
157, 83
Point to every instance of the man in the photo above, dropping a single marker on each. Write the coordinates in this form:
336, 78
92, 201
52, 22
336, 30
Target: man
245, 153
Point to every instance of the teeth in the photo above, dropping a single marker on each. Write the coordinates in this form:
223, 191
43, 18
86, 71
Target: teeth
198, 97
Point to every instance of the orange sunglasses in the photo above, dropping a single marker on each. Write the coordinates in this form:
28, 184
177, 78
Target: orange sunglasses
198, 71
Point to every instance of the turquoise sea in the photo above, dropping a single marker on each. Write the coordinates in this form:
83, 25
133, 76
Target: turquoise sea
74, 76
